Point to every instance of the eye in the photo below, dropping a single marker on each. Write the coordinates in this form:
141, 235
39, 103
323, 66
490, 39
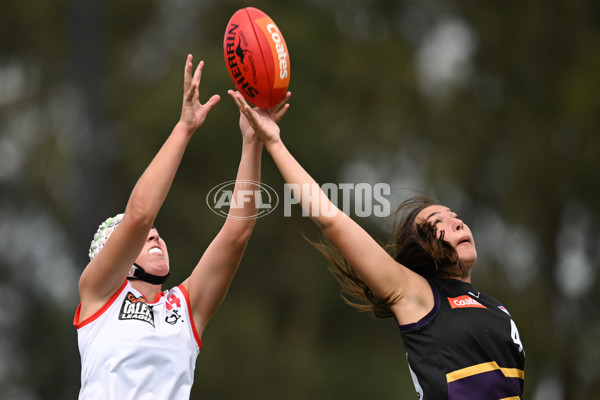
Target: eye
435, 222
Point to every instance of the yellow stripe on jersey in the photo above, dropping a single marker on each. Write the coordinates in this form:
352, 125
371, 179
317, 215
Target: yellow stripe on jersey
484, 367
472, 370
512, 398
513, 373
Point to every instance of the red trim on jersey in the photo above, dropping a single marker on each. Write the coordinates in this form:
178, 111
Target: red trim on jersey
189, 307
80, 324
158, 296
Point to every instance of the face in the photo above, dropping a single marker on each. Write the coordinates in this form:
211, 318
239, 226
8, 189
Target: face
455, 231
154, 257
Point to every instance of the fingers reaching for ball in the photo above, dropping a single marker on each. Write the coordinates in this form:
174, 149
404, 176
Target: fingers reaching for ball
279, 110
193, 113
262, 121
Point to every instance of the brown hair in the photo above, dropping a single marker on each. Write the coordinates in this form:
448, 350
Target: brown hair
412, 244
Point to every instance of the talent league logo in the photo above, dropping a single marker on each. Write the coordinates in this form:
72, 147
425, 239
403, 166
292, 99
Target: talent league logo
135, 308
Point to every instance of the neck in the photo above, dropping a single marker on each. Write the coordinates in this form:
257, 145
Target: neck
147, 289
455, 273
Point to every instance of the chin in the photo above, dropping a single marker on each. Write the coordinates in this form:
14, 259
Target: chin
470, 263
162, 271
468, 260
159, 270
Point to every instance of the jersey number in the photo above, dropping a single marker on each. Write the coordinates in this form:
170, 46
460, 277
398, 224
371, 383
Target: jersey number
173, 301
514, 333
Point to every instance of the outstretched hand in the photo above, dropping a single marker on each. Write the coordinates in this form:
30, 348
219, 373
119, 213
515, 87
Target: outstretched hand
193, 113
260, 122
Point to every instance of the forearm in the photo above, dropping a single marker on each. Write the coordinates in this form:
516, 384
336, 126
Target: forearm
363, 254
243, 209
153, 186
303, 187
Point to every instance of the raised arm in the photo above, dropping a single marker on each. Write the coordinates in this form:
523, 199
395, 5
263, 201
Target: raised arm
210, 279
384, 276
106, 272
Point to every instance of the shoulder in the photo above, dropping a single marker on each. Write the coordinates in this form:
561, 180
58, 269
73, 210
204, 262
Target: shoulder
88, 312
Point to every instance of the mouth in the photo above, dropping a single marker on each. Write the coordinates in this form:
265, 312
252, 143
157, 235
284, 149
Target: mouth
155, 250
464, 240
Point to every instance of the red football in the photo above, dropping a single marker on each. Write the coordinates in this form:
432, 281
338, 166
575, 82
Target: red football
256, 57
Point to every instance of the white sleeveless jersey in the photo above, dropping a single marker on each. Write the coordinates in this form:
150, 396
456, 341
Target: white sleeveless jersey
132, 349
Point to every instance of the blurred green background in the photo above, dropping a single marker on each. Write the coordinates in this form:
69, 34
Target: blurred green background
490, 106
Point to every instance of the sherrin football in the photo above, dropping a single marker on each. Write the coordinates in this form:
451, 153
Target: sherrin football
257, 57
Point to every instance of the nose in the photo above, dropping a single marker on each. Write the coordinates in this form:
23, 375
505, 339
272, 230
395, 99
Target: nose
459, 225
153, 235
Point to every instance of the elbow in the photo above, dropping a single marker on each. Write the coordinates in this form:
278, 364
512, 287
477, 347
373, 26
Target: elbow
245, 233
241, 236
324, 226
139, 215
329, 224
239, 231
